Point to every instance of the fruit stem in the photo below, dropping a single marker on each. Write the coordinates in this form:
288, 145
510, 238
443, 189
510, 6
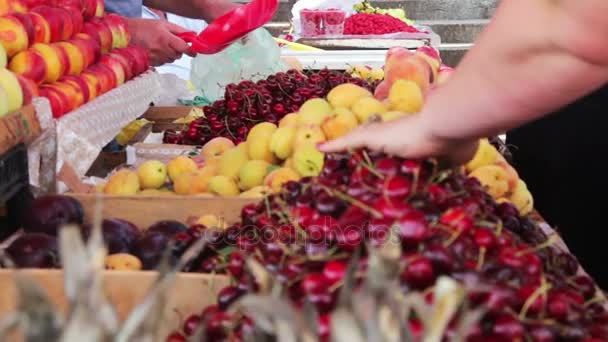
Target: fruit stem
370, 166
550, 241
355, 202
540, 291
481, 259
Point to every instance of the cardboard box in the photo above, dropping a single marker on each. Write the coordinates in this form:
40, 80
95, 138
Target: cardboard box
18, 127
147, 210
190, 292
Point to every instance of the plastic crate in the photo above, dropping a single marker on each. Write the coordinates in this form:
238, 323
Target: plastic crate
14, 174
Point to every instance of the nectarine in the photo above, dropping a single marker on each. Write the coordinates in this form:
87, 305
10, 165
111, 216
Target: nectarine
89, 47
56, 18
116, 67
78, 83
59, 102
76, 62
99, 31
13, 35
30, 64
92, 83
54, 59
42, 29
29, 89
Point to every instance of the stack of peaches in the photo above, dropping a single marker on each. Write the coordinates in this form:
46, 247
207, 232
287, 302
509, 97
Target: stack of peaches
65, 50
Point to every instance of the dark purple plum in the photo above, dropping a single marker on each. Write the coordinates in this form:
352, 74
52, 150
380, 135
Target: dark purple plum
48, 213
168, 228
119, 235
150, 248
34, 250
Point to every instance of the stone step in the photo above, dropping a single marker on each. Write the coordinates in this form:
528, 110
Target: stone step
418, 9
456, 31
450, 31
451, 54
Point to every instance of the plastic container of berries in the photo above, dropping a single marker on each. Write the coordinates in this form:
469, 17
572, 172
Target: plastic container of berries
329, 22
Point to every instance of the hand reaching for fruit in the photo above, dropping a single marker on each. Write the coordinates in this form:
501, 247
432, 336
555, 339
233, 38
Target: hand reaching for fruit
158, 37
407, 137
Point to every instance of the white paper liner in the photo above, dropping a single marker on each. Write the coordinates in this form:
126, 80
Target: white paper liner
173, 89
41, 151
82, 133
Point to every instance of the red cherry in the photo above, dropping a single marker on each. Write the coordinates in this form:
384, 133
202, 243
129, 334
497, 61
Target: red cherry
334, 271
387, 166
484, 237
314, 283
176, 337
392, 209
558, 308
227, 296
419, 273
412, 227
457, 219
541, 334
304, 215
410, 167
324, 323
507, 328
397, 187
537, 305
236, 264
191, 324
510, 257
348, 238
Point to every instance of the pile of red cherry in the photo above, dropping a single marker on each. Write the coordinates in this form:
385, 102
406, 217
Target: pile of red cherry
446, 224
375, 24
248, 103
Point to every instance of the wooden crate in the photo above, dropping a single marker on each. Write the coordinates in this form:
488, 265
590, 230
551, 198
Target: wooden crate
146, 210
190, 292
163, 117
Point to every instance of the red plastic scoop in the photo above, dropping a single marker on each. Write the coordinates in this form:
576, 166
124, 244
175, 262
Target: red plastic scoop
231, 27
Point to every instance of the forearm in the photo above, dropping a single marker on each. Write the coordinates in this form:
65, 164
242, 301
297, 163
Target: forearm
529, 62
207, 10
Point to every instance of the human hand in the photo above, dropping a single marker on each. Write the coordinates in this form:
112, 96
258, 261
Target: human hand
159, 38
408, 137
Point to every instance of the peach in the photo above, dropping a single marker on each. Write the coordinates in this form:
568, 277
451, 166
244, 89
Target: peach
76, 62
116, 67
118, 26
413, 68
99, 31
72, 92
88, 46
56, 18
42, 29
105, 75
127, 64
30, 64
75, 15
100, 8
382, 90
89, 7
54, 60
34, 3
132, 62
513, 176
398, 52
93, 84
59, 102
431, 56
9, 82
28, 25
216, 147
142, 58
76, 4
29, 89
18, 6
80, 84
13, 35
